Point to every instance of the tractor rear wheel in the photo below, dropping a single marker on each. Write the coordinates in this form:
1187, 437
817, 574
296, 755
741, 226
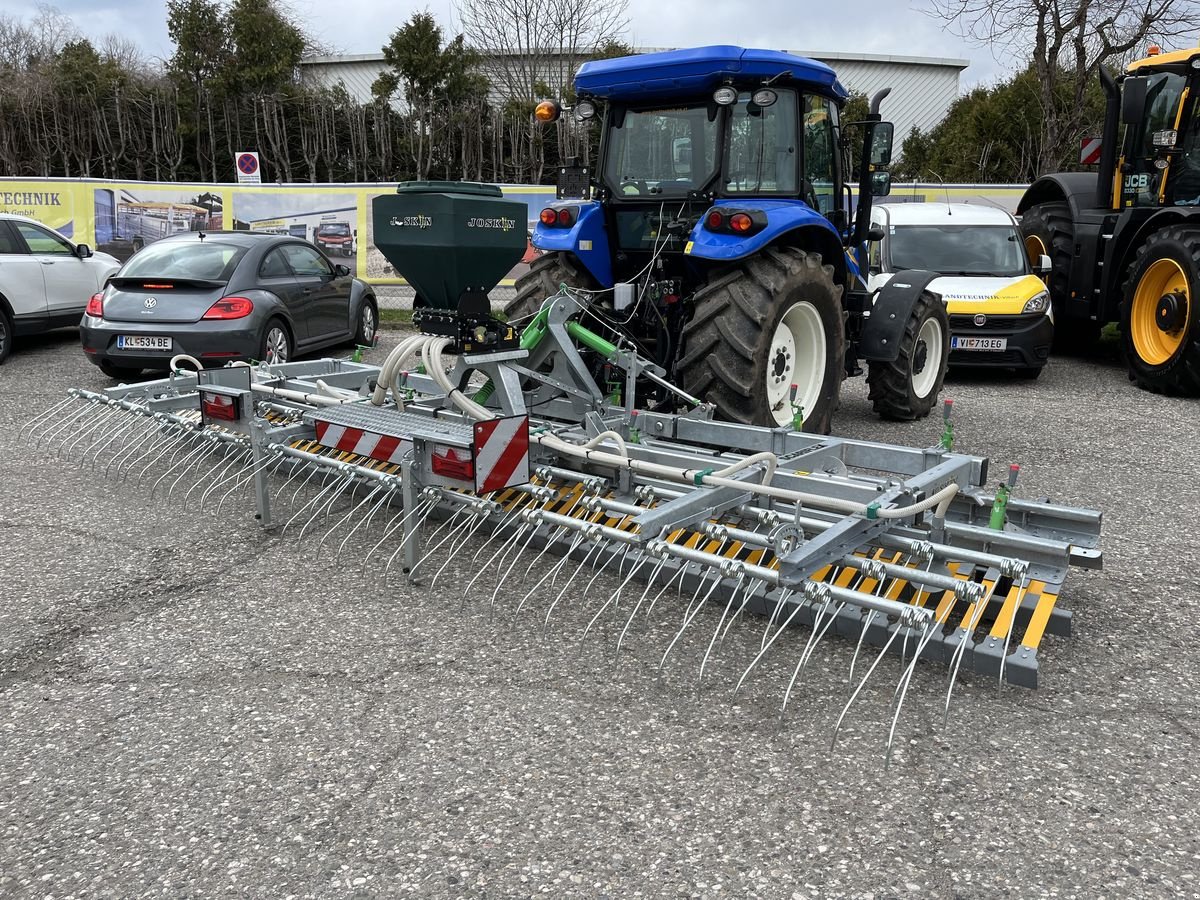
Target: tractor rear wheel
542, 280
1048, 229
1160, 313
907, 387
767, 323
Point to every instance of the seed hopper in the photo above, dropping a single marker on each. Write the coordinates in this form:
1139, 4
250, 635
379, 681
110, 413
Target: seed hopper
552, 449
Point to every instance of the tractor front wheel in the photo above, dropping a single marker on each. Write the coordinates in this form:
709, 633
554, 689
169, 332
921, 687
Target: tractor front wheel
545, 275
1160, 313
907, 387
770, 322
1047, 229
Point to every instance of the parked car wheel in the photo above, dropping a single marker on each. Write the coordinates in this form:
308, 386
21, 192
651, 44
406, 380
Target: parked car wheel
368, 323
120, 373
6, 335
276, 342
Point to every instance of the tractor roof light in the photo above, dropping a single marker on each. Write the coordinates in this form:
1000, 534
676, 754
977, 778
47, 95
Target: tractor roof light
585, 109
547, 111
725, 95
764, 97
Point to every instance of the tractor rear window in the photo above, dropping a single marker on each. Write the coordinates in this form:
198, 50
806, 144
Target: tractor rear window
661, 152
957, 249
763, 156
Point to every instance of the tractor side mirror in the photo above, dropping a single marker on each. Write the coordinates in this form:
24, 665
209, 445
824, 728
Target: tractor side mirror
1133, 99
875, 232
1044, 265
881, 145
881, 184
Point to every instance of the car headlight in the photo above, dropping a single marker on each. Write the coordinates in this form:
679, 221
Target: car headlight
1037, 303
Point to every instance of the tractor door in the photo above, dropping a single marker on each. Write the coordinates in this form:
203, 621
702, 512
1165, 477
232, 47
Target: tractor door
1183, 176
1148, 140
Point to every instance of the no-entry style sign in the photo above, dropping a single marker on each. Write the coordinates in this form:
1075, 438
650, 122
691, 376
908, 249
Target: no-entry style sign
247, 168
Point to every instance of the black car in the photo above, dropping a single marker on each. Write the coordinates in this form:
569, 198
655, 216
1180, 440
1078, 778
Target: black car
224, 296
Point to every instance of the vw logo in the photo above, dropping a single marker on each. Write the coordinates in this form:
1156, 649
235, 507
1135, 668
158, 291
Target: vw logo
980, 320
152, 302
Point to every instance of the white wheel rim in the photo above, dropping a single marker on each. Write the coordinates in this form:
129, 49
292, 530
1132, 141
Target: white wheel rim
277, 345
931, 336
796, 356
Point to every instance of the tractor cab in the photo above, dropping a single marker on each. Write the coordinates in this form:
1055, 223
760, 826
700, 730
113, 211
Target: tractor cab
1160, 164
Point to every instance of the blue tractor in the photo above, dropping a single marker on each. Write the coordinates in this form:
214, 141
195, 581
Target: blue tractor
715, 232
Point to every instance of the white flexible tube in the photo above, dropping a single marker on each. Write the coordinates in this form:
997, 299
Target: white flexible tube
178, 356
336, 392
391, 368
608, 436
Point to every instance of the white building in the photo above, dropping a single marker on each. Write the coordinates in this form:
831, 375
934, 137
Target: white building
923, 88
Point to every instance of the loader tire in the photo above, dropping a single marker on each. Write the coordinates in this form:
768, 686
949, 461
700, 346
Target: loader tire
907, 387
1160, 313
542, 280
770, 321
1048, 228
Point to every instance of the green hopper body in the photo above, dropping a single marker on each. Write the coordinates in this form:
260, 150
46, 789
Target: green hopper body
449, 238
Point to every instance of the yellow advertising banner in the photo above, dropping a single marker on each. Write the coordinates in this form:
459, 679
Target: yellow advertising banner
121, 217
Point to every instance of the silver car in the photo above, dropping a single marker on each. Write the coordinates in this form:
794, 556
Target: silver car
224, 296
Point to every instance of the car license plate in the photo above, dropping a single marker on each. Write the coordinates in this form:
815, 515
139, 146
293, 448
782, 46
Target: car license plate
972, 343
142, 342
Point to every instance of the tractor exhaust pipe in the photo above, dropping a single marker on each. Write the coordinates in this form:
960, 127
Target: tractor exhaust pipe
1108, 139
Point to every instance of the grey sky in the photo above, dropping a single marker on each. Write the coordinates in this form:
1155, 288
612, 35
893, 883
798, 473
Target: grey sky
361, 26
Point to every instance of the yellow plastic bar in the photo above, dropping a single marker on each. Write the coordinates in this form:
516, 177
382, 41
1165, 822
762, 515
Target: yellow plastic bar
1040, 617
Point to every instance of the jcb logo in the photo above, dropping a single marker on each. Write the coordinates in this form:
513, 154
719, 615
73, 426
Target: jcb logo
1136, 183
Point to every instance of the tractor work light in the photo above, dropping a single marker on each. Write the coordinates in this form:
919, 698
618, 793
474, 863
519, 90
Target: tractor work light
585, 109
724, 96
547, 111
764, 97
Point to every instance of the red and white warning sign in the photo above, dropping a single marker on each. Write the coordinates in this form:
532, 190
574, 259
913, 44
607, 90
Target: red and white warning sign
361, 442
501, 453
1089, 151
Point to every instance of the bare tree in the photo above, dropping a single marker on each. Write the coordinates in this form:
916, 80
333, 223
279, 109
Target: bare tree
1066, 42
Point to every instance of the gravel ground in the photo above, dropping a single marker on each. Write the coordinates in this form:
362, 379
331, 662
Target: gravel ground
190, 707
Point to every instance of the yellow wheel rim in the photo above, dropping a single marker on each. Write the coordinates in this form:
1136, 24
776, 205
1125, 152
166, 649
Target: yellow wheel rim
1153, 345
1035, 249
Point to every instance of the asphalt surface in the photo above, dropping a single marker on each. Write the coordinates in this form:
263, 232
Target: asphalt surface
191, 707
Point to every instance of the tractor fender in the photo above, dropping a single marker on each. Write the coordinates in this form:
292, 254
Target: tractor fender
783, 217
587, 239
1078, 189
894, 302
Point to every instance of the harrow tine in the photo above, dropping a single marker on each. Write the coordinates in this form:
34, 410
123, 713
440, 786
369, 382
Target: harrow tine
236, 477
30, 428
499, 550
315, 502
766, 644
502, 578
611, 601
504, 523
218, 474
1011, 625
172, 440
693, 610
550, 575
598, 543
322, 512
774, 617
809, 648
741, 578
854, 695
105, 415
977, 612
481, 516
447, 526
361, 523
134, 423
747, 596
88, 408
866, 626
397, 521
417, 522
677, 579
199, 460
353, 509
202, 447
905, 681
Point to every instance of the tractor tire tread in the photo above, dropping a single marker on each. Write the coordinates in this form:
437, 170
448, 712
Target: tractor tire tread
889, 384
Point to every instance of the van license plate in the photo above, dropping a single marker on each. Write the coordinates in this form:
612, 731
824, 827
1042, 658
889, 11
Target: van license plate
142, 342
971, 343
